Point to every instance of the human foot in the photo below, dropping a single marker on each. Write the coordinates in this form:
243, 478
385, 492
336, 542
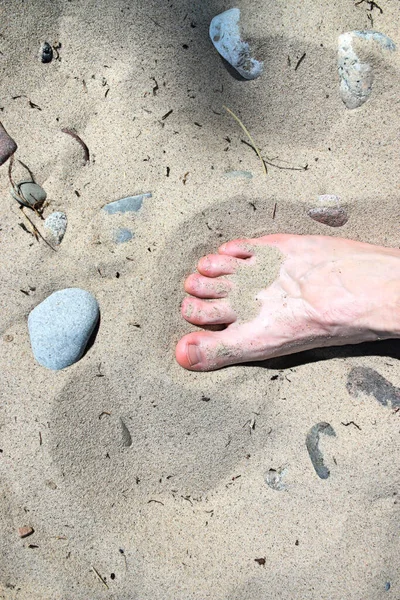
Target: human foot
328, 292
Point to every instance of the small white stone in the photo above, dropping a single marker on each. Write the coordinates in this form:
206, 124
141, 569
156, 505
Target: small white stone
56, 223
225, 35
356, 76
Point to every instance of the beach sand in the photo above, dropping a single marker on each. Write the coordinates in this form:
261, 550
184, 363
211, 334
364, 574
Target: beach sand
184, 511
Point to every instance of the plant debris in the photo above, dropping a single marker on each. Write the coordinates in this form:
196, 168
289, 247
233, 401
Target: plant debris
302, 57
76, 137
167, 114
95, 571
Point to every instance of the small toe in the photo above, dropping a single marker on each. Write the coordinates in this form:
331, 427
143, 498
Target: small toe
202, 312
215, 265
237, 248
207, 287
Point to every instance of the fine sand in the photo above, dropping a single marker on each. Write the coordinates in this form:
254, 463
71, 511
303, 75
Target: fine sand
143, 481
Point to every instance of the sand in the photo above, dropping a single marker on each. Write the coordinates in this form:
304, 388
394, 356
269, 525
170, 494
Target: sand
184, 511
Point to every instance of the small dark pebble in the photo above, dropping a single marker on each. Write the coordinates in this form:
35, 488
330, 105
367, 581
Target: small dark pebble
46, 53
387, 586
112, 576
331, 216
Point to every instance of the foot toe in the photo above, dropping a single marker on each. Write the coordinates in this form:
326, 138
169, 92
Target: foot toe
206, 351
237, 248
214, 265
207, 287
202, 312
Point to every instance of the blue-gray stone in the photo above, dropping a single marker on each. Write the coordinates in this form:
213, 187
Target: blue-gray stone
122, 235
234, 174
60, 327
129, 204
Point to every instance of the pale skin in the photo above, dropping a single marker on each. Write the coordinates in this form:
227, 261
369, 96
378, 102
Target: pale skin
329, 292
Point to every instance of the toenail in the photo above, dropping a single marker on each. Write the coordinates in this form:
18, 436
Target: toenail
193, 355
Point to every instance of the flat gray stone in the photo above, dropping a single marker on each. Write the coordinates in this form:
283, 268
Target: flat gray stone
122, 235
129, 204
60, 327
236, 174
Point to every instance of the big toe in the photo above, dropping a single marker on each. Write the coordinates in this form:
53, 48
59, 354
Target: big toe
209, 350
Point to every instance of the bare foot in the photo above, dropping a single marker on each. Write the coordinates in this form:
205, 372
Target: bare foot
328, 292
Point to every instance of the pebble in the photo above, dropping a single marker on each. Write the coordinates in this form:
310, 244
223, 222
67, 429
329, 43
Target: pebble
129, 204
225, 35
46, 53
387, 586
122, 235
125, 434
274, 478
56, 223
23, 532
60, 327
29, 194
7, 145
329, 215
312, 444
356, 77
236, 174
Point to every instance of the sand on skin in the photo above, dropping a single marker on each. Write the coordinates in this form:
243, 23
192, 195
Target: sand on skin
187, 501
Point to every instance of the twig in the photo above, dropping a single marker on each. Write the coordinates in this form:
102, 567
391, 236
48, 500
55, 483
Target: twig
79, 140
10, 165
249, 136
28, 169
271, 164
300, 61
100, 577
36, 230
351, 423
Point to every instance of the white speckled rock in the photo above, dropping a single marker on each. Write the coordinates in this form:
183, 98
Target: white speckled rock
357, 76
60, 327
225, 35
56, 224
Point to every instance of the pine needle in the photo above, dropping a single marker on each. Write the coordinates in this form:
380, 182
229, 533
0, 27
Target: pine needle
249, 136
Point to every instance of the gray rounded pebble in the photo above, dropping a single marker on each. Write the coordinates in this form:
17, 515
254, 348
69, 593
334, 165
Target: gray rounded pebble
56, 223
29, 194
329, 215
60, 327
